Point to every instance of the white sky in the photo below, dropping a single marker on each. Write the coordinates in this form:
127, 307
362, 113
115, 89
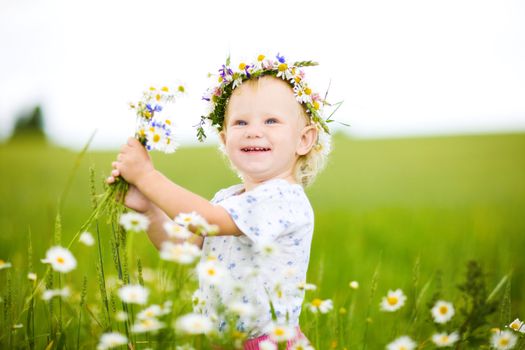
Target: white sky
402, 67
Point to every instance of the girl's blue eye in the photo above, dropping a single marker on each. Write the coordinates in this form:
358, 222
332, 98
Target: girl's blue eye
271, 121
240, 122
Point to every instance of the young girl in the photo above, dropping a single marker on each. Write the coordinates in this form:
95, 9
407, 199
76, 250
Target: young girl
271, 130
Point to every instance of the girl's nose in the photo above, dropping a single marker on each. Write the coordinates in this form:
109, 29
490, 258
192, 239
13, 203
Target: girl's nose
253, 131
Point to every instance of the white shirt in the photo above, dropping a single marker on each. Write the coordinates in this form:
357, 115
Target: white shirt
268, 262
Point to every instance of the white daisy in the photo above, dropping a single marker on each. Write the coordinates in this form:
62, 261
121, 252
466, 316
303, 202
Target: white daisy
4, 264
517, 326
503, 340
48, 294
302, 344
443, 339
31, 276
18, 326
393, 301
211, 272
186, 219
86, 238
442, 311
182, 253
134, 294
150, 312
147, 325
121, 316
111, 340
176, 231
241, 309
194, 324
60, 258
134, 222
279, 332
306, 286
402, 343
354, 285
267, 345
322, 306
184, 347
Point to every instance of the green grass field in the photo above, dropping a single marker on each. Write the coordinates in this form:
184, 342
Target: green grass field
404, 208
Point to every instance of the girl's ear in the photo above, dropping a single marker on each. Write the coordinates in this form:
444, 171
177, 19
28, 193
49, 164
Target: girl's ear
308, 139
222, 137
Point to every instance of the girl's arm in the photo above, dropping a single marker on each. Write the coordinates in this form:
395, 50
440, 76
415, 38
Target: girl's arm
173, 199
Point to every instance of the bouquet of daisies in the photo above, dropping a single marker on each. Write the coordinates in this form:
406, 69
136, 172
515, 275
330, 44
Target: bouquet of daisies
154, 130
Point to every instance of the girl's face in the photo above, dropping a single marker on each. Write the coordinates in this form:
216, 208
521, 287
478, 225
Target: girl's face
264, 131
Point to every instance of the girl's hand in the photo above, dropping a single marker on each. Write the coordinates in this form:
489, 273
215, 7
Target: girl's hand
137, 201
133, 163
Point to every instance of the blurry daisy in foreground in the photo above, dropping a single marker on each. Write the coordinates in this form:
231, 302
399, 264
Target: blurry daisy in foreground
134, 222
111, 340
280, 333
443, 339
503, 340
517, 326
194, 324
176, 231
393, 301
51, 293
354, 285
322, 306
402, 343
134, 294
306, 286
31, 276
184, 253
211, 272
4, 264
86, 238
147, 325
60, 258
267, 345
302, 344
442, 311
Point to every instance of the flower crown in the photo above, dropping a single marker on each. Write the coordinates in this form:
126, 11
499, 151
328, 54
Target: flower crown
219, 95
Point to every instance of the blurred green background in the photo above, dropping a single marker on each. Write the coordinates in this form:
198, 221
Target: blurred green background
387, 202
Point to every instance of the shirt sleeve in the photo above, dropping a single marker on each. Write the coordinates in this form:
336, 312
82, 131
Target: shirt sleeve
266, 212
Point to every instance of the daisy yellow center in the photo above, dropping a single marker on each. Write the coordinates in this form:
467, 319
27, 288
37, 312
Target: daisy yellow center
513, 325
308, 91
242, 66
392, 300
211, 272
152, 88
168, 121
316, 302
156, 138
60, 260
504, 341
165, 89
181, 88
316, 106
443, 310
282, 67
402, 347
279, 331
2, 262
260, 58
444, 339
134, 222
157, 97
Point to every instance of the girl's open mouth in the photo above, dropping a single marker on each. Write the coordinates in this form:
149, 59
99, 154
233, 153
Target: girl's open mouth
255, 149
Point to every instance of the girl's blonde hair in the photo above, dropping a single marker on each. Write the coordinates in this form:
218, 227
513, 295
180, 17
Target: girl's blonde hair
308, 165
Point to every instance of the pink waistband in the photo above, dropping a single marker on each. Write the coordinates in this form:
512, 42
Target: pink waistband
253, 344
